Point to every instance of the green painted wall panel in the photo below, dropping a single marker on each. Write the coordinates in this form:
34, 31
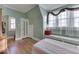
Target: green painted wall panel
35, 18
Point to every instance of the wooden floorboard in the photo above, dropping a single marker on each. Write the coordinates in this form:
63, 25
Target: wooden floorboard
23, 46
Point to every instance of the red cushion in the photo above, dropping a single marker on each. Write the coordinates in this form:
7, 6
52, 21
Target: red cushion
47, 32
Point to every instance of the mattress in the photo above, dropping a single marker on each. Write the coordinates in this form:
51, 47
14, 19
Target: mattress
50, 46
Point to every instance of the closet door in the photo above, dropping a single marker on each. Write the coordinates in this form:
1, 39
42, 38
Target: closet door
24, 28
31, 30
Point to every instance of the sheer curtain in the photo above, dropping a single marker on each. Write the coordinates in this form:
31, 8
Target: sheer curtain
65, 24
76, 23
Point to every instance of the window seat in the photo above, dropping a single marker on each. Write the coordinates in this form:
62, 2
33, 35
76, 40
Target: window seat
70, 40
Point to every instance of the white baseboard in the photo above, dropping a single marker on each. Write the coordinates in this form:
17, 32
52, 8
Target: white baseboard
10, 37
28, 36
37, 39
20, 38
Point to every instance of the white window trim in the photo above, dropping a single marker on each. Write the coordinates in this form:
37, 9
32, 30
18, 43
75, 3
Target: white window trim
9, 23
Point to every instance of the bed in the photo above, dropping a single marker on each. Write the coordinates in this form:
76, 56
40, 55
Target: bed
50, 46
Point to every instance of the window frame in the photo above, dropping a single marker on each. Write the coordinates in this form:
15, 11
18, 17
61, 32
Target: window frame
9, 23
76, 17
60, 18
76, 22
53, 21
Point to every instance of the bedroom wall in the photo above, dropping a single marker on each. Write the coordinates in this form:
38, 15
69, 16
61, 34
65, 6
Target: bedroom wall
44, 15
9, 12
35, 18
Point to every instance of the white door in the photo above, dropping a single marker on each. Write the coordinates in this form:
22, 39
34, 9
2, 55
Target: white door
31, 30
24, 28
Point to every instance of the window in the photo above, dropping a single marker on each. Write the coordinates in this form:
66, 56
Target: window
44, 22
62, 15
62, 20
52, 21
76, 18
12, 23
76, 22
76, 13
65, 24
62, 23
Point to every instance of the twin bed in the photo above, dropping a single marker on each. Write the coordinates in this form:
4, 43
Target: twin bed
50, 46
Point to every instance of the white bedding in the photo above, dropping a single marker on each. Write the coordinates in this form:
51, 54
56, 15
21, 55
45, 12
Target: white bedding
54, 47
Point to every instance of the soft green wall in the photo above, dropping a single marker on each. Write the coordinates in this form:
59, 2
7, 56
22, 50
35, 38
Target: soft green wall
44, 15
35, 18
9, 12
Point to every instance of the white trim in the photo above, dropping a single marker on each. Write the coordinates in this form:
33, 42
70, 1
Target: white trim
18, 38
21, 38
10, 37
34, 38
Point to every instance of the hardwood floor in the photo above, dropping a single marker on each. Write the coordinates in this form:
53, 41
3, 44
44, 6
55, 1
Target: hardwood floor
23, 46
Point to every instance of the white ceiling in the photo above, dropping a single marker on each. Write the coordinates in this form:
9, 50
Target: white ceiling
51, 6
26, 7
21, 7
